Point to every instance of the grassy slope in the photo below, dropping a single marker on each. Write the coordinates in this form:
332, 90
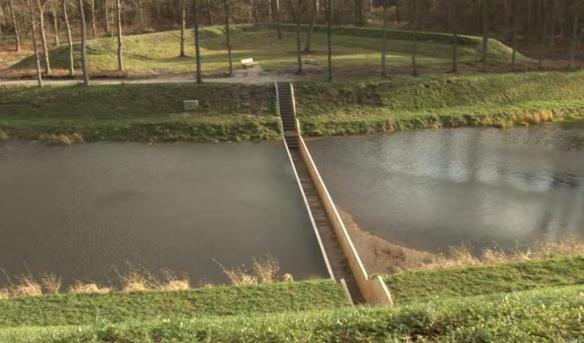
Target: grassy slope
86, 309
542, 315
428, 102
158, 52
420, 286
235, 112
140, 112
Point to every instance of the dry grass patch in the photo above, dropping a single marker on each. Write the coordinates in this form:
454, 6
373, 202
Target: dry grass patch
27, 286
461, 256
88, 288
265, 271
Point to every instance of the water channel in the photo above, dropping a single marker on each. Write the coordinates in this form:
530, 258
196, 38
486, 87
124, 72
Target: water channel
477, 187
91, 211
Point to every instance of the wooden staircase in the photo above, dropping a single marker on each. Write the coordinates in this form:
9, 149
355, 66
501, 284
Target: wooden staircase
332, 248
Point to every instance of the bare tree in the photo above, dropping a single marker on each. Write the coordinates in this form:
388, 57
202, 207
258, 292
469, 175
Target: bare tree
543, 33
93, 25
515, 23
329, 33
15, 26
295, 8
574, 42
69, 38
140, 5
384, 45
34, 44
41, 13
415, 39
484, 51
56, 23
120, 35
83, 43
278, 19
227, 34
106, 16
307, 47
183, 26
197, 42
454, 31
209, 14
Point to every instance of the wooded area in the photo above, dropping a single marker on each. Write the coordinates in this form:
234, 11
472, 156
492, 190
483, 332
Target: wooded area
540, 29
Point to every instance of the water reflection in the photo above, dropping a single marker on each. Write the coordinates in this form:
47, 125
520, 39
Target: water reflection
479, 187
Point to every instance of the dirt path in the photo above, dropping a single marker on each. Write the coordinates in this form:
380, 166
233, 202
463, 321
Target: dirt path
254, 75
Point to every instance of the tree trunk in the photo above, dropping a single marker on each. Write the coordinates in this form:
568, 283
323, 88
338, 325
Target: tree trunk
197, 41
454, 29
120, 35
141, 14
329, 19
415, 39
34, 44
83, 44
69, 39
278, 19
270, 10
543, 31
574, 42
397, 11
44, 37
515, 22
307, 47
384, 47
183, 27
56, 23
93, 26
484, 15
106, 14
209, 14
15, 25
529, 22
298, 18
227, 35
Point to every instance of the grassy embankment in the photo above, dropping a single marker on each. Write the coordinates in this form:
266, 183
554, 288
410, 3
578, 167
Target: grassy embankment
246, 112
491, 303
421, 286
87, 309
356, 52
540, 315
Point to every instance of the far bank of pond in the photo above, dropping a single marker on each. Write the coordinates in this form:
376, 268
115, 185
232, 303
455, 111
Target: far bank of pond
87, 212
433, 189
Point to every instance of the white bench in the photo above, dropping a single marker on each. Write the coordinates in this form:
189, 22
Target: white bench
248, 63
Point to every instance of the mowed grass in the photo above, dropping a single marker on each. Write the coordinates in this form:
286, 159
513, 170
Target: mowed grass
553, 315
87, 309
157, 53
143, 112
140, 112
422, 286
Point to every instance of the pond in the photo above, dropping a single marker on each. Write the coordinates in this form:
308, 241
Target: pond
478, 187
89, 212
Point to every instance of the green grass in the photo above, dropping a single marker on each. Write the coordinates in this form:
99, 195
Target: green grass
140, 112
353, 52
346, 107
541, 315
421, 286
87, 309
247, 112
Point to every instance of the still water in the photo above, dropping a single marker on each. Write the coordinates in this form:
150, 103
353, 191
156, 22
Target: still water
88, 212
482, 188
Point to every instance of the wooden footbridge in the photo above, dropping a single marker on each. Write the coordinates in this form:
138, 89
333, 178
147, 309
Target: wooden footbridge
340, 256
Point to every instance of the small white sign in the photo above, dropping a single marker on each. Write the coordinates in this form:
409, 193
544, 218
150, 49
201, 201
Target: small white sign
191, 105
